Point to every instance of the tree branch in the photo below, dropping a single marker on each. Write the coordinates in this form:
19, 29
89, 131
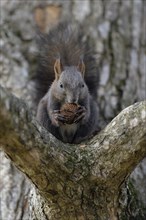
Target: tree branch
106, 158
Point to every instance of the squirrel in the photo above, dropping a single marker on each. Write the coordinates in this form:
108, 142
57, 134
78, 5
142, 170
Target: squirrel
67, 73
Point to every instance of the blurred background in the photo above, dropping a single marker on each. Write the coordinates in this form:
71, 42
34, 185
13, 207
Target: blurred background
116, 30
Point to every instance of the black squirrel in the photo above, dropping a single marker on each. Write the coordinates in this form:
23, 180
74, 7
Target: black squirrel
67, 73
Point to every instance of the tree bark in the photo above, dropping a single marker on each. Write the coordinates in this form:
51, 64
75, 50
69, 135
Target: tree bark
116, 29
14, 192
67, 176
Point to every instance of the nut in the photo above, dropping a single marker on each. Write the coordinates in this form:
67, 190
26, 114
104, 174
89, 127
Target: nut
70, 111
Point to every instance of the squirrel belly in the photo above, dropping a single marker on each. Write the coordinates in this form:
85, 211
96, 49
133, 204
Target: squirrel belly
66, 86
68, 132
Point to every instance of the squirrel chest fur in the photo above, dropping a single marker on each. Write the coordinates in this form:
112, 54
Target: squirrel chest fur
68, 132
66, 82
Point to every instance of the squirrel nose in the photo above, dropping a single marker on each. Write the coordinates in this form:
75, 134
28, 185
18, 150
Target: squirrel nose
73, 100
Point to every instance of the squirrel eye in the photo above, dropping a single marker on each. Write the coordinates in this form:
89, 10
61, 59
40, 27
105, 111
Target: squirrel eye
61, 86
83, 85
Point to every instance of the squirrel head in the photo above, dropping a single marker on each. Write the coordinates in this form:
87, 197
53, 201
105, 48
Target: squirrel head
70, 86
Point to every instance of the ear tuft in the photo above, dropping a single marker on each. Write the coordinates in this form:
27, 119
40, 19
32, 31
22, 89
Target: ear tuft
58, 68
81, 67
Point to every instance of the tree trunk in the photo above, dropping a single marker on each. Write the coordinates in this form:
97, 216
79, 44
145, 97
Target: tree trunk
69, 177
116, 29
14, 192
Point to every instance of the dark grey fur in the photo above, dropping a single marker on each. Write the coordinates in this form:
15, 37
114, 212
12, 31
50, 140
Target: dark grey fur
66, 44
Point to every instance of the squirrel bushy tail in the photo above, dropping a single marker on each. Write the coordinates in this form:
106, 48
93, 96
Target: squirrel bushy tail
65, 42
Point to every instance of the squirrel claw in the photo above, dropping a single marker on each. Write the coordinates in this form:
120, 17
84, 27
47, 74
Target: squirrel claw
56, 111
60, 118
80, 111
80, 117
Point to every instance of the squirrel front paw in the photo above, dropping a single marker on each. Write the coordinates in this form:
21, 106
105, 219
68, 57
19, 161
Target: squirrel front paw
57, 118
61, 117
72, 113
80, 114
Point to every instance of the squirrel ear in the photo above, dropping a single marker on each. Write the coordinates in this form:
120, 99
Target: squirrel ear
58, 68
81, 67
